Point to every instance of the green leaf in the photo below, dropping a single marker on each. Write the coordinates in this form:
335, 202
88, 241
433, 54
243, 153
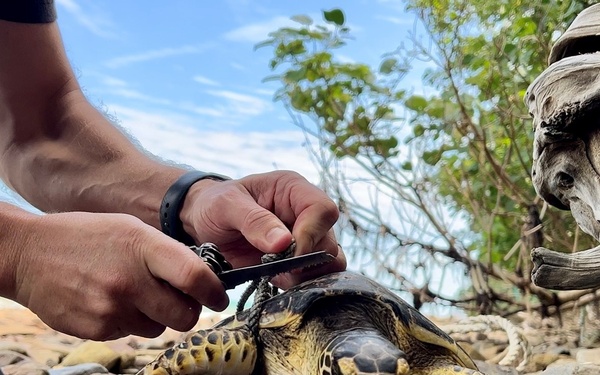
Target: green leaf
335, 16
295, 75
387, 66
264, 43
432, 157
302, 19
468, 58
416, 103
271, 78
418, 130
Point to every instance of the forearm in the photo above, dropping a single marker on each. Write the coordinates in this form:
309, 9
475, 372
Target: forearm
87, 165
13, 239
58, 151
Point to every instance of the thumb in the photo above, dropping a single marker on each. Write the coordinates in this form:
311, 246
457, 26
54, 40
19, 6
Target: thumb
261, 228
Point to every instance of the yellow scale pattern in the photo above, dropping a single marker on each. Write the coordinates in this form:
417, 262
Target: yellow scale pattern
219, 351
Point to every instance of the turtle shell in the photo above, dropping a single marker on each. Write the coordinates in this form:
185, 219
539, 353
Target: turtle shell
582, 36
289, 307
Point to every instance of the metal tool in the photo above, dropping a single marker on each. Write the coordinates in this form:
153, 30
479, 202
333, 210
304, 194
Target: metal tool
231, 278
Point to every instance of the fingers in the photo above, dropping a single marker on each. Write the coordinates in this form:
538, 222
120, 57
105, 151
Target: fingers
312, 231
313, 214
136, 323
162, 303
180, 267
257, 212
295, 277
125, 277
94, 316
287, 198
261, 228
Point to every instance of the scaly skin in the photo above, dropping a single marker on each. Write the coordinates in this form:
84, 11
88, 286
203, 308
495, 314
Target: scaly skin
219, 351
340, 324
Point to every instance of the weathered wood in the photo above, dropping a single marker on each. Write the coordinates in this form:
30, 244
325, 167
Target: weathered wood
566, 271
564, 101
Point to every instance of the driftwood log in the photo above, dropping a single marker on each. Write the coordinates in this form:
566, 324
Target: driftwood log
565, 104
561, 271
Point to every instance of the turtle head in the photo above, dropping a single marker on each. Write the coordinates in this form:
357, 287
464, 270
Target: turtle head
362, 353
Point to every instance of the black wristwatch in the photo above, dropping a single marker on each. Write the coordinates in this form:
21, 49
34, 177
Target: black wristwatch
172, 202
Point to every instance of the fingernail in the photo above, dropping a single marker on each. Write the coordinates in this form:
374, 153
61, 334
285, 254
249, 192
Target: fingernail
275, 234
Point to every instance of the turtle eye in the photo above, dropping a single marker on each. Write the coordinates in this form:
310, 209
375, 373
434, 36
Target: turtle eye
564, 181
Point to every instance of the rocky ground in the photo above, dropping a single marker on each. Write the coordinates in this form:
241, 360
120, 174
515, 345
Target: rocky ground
27, 346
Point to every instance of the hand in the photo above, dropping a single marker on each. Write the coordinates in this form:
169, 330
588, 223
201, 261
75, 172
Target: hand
103, 276
253, 215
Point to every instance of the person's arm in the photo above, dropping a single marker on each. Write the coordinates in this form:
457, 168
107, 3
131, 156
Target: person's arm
101, 276
57, 150
62, 155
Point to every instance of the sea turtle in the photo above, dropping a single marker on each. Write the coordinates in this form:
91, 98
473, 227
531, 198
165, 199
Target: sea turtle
338, 324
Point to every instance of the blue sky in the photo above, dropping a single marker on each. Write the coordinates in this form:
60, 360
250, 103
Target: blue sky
195, 62
197, 59
183, 77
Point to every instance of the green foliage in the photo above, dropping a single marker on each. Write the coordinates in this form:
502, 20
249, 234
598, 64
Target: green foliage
317, 85
473, 135
486, 55
335, 16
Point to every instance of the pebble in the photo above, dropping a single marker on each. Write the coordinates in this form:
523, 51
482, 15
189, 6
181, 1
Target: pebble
29, 347
81, 369
25, 368
492, 369
9, 357
588, 356
91, 351
572, 369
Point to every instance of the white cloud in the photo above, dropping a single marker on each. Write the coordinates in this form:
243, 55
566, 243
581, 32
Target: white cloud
266, 92
257, 32
205, 81
237, 66
201, 110
93, 20
242, 104
121, 61
182, 139
134, 94
344, 59
397, 20
229, 107
113, 81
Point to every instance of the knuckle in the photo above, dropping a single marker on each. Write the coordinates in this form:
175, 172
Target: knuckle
135, 236
102, 330
330, 211
293, 175
116, 285
106, 312
257, 217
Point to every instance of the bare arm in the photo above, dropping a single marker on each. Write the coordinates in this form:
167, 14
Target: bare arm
62, 155
102, 276
57, 150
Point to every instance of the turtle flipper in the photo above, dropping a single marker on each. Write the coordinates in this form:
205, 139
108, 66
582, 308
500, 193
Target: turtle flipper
216, 351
